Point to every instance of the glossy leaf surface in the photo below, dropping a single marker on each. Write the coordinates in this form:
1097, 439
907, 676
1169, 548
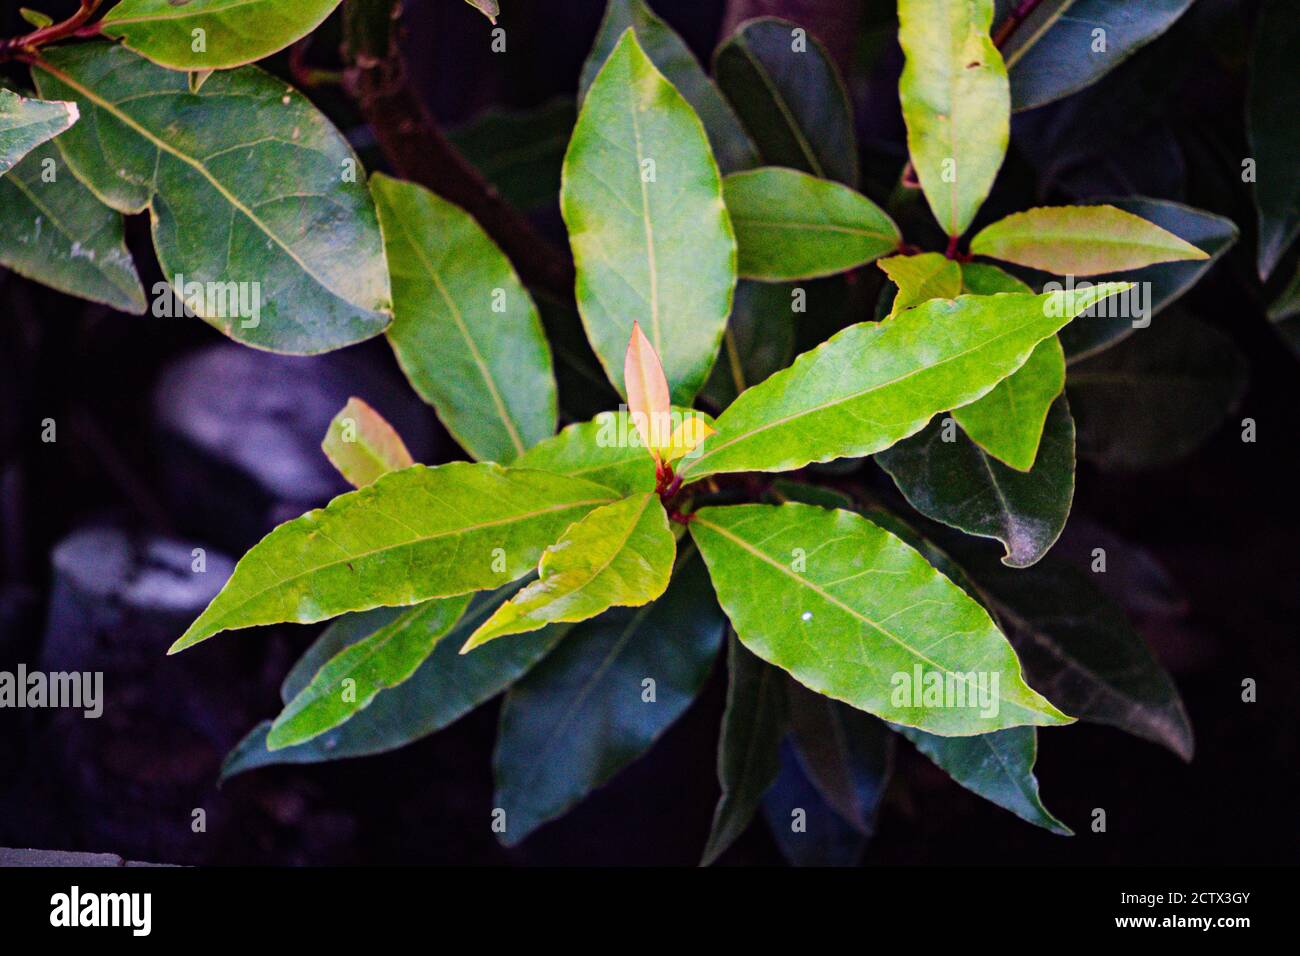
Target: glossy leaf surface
853, 613
26, 123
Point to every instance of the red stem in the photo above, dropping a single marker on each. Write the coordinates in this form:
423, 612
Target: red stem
75, 25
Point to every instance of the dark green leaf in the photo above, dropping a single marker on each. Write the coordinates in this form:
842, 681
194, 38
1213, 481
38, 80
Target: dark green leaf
998, 767
731, 145
464, 329
758, 342
56, 232
602, 698
521, 154
642, 198
947, 477
247, 184
806, 828
749, 760
792, 100
1156, 396
1272, 105
1061, 51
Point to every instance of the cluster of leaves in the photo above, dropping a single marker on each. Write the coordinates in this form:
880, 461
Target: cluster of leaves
594, 574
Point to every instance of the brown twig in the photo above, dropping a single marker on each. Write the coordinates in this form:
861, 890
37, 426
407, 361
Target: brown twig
74, 26
417, 149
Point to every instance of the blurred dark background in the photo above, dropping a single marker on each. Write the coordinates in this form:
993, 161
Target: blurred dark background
169, 438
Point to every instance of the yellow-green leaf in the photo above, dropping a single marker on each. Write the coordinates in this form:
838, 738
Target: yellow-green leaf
362, 445
1081, 241
414, 534
956, 103
620, 555
876, 383
922, 277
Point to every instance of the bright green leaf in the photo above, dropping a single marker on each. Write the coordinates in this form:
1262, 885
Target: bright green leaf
444, 688
414, 534
379, 662
792, 101
619, 555
790, 225
58, 233
956, 103
212, 34
465, 329
1080, 240
998, 767
35, 17
25, 124
753, 725
1272, 104
876, 383
249, 191
362, 445
922, 277
1008, 421
731, 144
854, 613
580, 716
642, 198
958, 483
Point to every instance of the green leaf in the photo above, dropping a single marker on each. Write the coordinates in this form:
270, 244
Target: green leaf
1162, 284
847, 754
1079, 648
790, 225
1080, 240
753, 726
1287, 303
246, 183
444, 688
57, 232
581, 716
212, 34
619, 555
923, 277
520, 153
414, 534
1272, 103
1008, 421
362, 445
465, 329
876, 383
660, 252
1156, 396
956, 103
1059, 51
793, 102
379, 662
35, 17
954, 481
25, 124
998, 767
854, 613
807, 830
759, 341
730, 143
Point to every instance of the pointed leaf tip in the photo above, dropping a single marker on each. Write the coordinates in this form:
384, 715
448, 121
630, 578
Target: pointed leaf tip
648, 398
